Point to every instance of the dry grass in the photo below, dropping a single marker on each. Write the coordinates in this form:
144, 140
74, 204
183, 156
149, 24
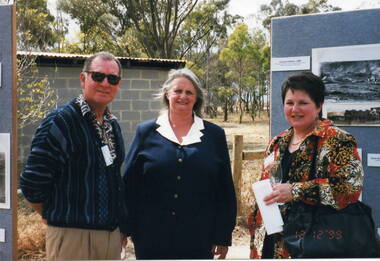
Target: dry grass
31, 233
255, 134
31, 241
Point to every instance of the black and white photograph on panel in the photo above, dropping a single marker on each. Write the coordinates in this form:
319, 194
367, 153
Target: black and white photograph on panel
5, 170
352, 78
2, 177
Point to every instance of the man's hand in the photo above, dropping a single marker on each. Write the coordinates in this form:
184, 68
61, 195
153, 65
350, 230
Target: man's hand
38, 208
220, 251
124, 240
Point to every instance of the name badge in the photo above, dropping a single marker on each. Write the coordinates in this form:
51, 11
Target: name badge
269, 160
107, 155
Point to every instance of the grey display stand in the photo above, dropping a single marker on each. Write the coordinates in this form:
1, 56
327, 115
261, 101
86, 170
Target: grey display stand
296, 36
8, 216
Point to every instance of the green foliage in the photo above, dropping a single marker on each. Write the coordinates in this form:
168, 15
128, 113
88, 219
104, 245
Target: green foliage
156, 23
247, 56
260, 73
225, 99
127, 28
237, 53
224, 92
278, 8
149, 28
225, 95
35, 95
239, 58
203, 30
198, 71
97, 27
37, 29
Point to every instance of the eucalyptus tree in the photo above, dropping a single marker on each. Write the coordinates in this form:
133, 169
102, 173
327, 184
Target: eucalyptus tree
37, 28
95, 23
36, 97
278, 8
150, 28
258, 79
237, 55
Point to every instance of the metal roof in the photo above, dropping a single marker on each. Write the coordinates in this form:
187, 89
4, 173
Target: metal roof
68, 59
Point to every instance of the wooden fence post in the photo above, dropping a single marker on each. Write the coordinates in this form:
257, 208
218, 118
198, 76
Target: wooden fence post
237, 166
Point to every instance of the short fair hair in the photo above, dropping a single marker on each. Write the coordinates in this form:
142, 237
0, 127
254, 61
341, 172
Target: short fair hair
187, 73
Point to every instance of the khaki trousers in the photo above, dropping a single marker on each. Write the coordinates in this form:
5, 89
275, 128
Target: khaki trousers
82, 244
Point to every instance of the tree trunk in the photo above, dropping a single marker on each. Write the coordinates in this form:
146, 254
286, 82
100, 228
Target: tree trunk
246, 103
240, 111
225, 109
240, 101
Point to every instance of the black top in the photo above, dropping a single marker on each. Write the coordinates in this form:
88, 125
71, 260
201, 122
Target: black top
286, 163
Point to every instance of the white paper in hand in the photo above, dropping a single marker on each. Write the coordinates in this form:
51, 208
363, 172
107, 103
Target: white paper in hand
271, 214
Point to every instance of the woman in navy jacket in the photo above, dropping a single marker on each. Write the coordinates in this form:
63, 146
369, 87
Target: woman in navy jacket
180, 195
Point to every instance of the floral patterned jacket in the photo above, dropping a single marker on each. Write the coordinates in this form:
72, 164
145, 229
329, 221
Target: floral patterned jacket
338, 176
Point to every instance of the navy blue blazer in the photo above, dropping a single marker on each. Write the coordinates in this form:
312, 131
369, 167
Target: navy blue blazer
179, 198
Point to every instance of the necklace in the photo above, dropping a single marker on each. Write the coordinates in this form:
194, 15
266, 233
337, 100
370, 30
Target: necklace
297, 142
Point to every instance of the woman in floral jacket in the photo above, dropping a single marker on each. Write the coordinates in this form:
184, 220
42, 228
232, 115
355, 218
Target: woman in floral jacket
338, 175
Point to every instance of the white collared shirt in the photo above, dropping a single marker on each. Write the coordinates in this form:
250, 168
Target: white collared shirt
193, 136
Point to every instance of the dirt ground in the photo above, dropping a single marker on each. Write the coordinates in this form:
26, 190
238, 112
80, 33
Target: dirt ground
255, 134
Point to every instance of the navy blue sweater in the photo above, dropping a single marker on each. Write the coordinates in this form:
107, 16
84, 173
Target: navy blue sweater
64, 168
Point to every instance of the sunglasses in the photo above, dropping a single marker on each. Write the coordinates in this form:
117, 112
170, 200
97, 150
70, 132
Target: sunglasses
99, 77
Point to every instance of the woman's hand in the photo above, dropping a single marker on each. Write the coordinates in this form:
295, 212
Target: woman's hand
282, 193
220, 250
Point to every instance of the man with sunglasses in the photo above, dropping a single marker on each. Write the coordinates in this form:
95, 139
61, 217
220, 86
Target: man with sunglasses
72, 176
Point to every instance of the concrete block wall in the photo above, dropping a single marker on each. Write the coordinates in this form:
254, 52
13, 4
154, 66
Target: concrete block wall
134, 103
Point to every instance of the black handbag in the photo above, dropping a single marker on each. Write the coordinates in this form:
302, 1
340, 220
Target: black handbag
316, 231
324, 232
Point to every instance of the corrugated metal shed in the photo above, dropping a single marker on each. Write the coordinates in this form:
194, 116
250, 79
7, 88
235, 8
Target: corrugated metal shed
75, 60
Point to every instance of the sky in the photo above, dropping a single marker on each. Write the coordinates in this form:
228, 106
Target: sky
248, 9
